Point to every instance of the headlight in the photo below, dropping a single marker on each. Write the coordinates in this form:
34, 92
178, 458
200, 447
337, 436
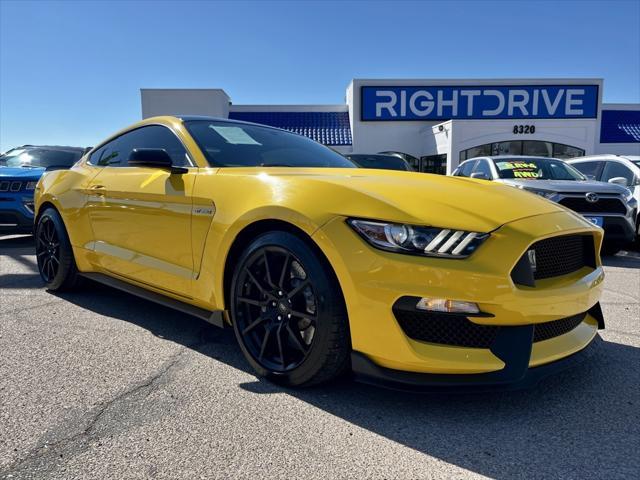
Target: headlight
416, 240
31, 185
628, 195
542, 193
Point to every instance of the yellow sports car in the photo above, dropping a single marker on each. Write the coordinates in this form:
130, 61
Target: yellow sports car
406, 279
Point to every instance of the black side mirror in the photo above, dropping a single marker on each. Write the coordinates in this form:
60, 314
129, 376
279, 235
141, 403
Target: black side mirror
153, 158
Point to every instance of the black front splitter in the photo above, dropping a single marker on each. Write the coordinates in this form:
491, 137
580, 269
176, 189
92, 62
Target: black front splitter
514, 376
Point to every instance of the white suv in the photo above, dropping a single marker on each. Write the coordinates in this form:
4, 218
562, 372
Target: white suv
620, 169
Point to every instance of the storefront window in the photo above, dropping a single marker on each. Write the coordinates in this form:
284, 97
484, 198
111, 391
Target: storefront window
523, 147
434, 164
506, 148
566, 151
537, 149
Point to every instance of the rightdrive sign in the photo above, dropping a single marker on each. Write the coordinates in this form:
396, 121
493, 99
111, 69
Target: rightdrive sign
402, 103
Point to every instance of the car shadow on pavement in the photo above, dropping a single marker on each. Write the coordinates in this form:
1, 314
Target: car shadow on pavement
582, 423
20, 250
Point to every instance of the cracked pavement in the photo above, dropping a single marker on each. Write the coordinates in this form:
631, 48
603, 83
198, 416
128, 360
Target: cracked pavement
100, 384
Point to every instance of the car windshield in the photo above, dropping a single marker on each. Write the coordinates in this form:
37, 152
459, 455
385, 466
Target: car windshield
536, 169
39, 157
386, 162
227, 144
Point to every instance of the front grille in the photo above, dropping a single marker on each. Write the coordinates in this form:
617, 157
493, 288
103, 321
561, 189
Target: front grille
555, 328
554, 257
10, 186
603, 205
459, 331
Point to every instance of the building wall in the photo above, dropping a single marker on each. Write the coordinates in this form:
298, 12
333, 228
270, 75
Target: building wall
212, 102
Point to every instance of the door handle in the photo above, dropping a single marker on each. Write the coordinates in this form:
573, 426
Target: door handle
97, 190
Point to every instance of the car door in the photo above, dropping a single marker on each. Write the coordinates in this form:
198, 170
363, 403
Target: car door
141, 216
613, 169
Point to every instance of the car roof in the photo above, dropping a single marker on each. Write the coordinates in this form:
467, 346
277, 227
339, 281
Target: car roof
605, 156
503, 157
60, 148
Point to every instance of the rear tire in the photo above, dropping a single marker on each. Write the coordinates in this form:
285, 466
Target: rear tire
288, 312
54, 254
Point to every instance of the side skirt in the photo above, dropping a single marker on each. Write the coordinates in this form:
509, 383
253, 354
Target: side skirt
215, 318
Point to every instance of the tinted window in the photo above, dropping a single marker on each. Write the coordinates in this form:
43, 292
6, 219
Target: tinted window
40, 157
106, 155
231, 144
385, 162
482, 166
536, 169
116, 153
465, 169
588, 169
615, 169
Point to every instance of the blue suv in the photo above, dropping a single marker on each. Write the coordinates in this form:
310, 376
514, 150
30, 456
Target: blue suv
20, 170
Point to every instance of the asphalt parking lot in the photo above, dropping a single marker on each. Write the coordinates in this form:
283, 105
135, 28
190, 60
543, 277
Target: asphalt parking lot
100, 384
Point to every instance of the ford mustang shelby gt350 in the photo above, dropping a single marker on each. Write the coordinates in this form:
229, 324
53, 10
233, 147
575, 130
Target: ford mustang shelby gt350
407, 279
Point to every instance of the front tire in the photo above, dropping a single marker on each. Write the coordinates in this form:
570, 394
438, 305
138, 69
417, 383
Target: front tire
54, 254
288, 312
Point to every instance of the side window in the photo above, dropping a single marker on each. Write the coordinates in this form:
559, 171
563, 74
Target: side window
482, 166
465, 169
615, 169
106, 155
591, 170
153, 136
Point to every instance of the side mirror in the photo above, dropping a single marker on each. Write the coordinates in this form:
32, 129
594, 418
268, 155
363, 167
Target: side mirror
619, 181
153, 158
480, 175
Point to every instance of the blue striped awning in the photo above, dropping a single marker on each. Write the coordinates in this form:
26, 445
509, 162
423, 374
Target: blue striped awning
620, 126
328, 128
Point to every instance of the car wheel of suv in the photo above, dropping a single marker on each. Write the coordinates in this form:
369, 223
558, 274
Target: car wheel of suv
54, 255
288, 312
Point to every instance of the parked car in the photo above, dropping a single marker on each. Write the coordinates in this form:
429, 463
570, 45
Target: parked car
621, 169
607, 205
383, 162
413, 162
20, 170
410, 280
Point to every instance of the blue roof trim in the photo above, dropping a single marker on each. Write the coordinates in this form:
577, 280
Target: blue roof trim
620, 126
328, 128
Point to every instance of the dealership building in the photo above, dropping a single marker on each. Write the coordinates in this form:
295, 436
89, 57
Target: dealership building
439, 123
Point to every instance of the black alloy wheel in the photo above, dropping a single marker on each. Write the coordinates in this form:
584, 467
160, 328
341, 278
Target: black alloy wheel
54, 254
288, 313
276, 307
48, 249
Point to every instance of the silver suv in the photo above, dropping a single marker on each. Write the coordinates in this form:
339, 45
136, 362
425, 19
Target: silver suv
620, 169
607, 205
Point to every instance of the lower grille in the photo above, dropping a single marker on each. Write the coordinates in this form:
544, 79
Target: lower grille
555, 328
603, 205
459, 331
445, 329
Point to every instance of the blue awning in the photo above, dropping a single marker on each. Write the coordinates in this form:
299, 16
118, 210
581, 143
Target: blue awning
620, 126
328, 128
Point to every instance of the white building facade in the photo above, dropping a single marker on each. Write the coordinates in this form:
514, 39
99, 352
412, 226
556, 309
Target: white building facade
438, 123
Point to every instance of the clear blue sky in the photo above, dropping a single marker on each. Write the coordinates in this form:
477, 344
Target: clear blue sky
70, 72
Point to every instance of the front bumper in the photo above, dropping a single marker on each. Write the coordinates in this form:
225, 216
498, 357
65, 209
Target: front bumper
15, 216
619, 228
372, 281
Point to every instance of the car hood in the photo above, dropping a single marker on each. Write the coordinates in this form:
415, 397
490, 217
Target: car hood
409, 197
17, 172
567, 186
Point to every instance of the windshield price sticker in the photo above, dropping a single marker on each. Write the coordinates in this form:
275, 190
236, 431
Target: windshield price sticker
520, 169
